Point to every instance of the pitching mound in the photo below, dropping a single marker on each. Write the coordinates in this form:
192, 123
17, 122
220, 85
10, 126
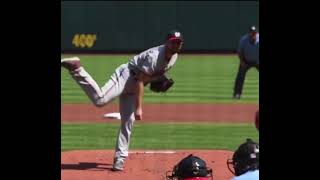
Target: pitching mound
147, 165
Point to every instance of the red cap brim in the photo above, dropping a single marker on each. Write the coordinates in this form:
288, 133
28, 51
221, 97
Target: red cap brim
174, 38
197, 178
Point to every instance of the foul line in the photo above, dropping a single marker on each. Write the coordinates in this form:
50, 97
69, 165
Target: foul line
152, 152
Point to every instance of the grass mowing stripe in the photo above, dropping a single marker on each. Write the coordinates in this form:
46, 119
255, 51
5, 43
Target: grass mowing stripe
216, 73
158, 136
243, 100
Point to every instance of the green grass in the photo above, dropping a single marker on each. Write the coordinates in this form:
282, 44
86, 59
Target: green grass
225, 136
198, 79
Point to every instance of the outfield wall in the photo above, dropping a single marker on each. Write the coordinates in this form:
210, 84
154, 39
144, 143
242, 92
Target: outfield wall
125, 26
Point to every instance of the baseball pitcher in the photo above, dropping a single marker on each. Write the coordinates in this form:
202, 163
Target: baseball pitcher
127, 83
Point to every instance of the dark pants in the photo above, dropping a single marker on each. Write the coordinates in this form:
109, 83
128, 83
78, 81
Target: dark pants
241, 77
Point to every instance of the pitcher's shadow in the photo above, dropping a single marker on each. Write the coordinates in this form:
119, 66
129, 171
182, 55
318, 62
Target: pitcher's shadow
87, 166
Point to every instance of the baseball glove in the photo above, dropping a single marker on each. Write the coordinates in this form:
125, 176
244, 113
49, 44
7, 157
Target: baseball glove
162, 84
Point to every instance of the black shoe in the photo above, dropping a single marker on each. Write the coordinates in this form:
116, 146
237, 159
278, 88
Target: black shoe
237, 96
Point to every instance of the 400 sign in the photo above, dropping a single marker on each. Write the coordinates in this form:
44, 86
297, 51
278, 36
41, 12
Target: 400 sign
84, 40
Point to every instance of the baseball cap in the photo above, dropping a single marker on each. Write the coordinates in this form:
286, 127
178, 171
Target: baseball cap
197, 178
252, 29
174, 35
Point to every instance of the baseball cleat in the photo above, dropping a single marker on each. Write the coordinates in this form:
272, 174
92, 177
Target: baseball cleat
71, 64
118, 164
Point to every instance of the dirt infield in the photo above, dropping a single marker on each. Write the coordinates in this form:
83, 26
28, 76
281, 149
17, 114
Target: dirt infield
147, 165
96, 164
165, 113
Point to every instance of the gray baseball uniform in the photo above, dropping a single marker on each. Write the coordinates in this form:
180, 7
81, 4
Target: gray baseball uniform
122, 84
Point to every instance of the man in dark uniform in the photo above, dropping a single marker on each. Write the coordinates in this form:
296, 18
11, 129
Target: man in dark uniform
248, 53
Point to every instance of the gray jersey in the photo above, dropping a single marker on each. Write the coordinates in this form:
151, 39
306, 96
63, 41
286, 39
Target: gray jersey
152, 62
122, 84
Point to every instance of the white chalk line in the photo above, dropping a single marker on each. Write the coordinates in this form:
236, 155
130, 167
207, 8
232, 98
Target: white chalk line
152, 152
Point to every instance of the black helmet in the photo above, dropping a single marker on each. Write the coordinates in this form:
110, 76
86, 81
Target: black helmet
173, 35
189, 167
245, 158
